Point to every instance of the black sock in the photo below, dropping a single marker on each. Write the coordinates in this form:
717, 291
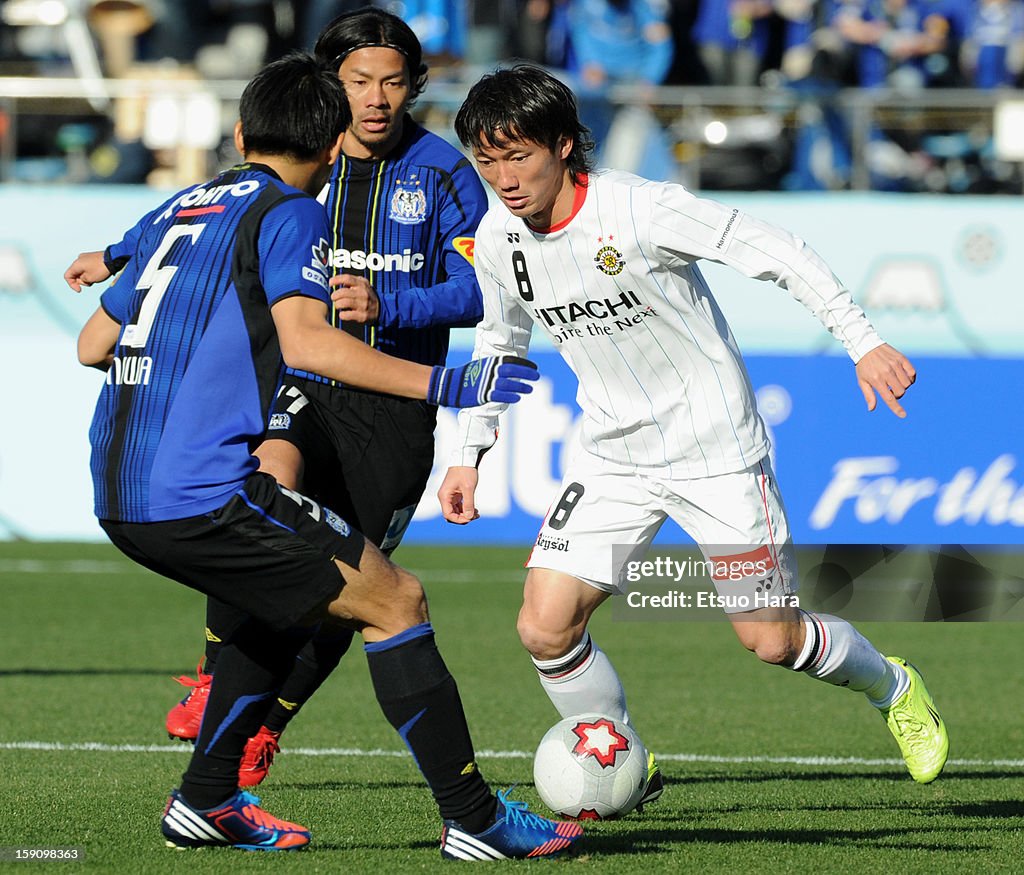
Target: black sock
251, 667
221, 622
313, 665
420, 699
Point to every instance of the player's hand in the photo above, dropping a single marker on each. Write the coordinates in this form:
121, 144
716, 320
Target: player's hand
889, 373
355, 299
503, 378
457, 495
85, 270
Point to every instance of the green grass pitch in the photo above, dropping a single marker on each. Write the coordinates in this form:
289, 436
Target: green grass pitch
766, 771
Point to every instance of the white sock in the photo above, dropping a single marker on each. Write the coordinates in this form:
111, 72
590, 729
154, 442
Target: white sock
583, 681
838, 654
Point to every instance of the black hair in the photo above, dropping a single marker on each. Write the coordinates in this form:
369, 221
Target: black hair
525, 103
294, 106
370, 27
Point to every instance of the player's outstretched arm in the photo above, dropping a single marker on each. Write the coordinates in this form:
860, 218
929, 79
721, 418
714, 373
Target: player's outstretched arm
888, 372
85, 270
457, 495
310, 343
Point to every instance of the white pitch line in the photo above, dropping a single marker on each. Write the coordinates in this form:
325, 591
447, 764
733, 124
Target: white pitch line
100, 566
100, 747
65, 566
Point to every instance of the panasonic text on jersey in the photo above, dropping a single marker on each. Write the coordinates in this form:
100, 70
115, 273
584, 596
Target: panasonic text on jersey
356, 259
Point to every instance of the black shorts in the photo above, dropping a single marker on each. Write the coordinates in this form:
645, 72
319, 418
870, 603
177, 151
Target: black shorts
367, 456
267, 552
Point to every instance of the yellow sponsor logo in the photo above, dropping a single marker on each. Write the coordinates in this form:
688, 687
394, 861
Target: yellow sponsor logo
288, 706
464, 246
211, 637
470, 768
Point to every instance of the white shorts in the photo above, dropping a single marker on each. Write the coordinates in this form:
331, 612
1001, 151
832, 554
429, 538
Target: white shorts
606, 515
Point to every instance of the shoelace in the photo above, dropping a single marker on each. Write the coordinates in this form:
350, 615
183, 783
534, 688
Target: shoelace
268, 747
200, 679
519, 813
911, 728
257, 815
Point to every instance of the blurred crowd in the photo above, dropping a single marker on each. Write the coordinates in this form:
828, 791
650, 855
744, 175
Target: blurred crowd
815, 47
865, 43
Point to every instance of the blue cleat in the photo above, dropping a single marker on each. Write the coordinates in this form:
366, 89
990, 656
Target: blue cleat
516, 834
238, 823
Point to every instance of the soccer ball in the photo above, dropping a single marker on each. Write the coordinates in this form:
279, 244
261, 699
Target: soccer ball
590, 767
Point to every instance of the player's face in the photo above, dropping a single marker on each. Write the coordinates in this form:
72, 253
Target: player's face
531, 180
377, 83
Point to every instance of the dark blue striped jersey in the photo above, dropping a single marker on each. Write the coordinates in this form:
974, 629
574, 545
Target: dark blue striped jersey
407, 223
198, 360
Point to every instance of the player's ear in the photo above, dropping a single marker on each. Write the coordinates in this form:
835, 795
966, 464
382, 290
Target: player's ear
336, 148
239, 144
565, 147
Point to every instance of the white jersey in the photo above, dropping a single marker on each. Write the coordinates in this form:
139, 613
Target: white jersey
617, 289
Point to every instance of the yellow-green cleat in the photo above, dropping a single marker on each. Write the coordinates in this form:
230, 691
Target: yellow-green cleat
655, 784
917, 727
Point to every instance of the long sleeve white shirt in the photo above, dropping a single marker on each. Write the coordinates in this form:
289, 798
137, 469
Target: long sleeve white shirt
617, 289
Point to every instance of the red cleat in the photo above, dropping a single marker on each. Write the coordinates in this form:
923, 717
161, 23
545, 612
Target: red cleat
184, 718
258, 757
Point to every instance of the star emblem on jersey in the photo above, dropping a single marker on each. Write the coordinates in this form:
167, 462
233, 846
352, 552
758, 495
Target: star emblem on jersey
609, 260
598, 739
409, 202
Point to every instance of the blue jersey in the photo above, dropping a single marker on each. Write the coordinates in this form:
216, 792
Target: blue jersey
198, 360
407, 223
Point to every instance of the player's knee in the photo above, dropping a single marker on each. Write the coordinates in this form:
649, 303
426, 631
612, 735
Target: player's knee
408, 600
775, 653
770, 642
543, 640
390, 600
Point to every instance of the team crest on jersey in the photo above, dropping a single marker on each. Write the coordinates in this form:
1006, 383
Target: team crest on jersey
409, 202
336, 523
608, 259
280, 421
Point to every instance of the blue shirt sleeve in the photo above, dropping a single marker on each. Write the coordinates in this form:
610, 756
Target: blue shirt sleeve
457, 301
116, 255
116, 298
293, 251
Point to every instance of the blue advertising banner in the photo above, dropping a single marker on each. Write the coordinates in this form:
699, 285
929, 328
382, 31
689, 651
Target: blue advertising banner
948, 473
